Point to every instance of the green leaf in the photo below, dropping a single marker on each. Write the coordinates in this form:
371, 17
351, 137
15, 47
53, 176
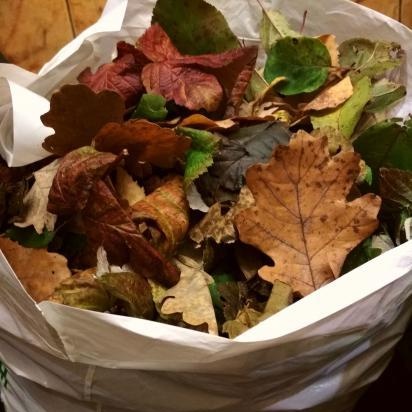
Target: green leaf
369, 58
194, 26
200, 155
384, 94
386, 144
304, 61
396, 188
273, 27
28, 237
151, 107
132, 290
347, 116
360, 255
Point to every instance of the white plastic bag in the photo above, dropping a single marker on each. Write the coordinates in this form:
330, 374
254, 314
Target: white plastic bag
316, 355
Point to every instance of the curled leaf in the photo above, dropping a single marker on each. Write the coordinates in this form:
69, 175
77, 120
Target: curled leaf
151, 107
302, 219
166, 209
77, 114
35, 202
144, 141
127, 188
38, 270
77, 172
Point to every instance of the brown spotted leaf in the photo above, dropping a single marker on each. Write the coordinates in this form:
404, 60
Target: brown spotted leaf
38, 270
77, 114
302, 219
144, 141
166, 209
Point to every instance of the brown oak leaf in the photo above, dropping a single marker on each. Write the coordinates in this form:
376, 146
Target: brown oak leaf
39, 271
144, 141
121, 76
167, 209
186, 80
108, 225
302, 219
78, 171
77, 114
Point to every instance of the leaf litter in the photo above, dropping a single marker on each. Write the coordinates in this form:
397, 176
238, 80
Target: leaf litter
205, 191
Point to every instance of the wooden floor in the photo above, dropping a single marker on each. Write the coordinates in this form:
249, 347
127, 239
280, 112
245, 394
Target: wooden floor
32, 31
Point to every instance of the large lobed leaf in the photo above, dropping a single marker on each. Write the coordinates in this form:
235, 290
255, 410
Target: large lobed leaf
302, 219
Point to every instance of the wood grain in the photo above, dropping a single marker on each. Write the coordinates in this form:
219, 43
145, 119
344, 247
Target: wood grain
406, 12
84, 13
389, 7
32, 31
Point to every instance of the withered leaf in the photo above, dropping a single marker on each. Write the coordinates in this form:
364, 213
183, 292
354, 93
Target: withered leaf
127, 188
132, 290
82, 290
302, 219
38, 270
77, 172
144, 141
35, 202
77, 114
239, 150
191, 298
280, 297
166, 209
245, 319
220, 226
121, 76
108, 225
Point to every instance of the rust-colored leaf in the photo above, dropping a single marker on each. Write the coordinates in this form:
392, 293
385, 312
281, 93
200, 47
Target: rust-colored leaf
302, 219
166, 209
144, 141
78, 171
108, 225
39, 271
77, 114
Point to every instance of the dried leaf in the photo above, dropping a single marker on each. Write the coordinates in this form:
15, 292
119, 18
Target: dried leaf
280, 297
132, 290
127, 188
238, 151
144, 141
194, 35
245, 319
332, 96
121, 76
198, 121
38, 270
346, 117
218, 226
304, 61
200, 155
191, 298
77, 114
274, 26
369, 58
82, 291
35, 202
77, 172
329, 40
166, 209
108, 225
302, 219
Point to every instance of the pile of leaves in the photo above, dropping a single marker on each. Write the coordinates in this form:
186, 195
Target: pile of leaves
188, 186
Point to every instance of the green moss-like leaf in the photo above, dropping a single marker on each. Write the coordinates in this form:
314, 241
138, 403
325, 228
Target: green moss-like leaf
200, 155
347, 116
304, 61
194, 26
384, 94
151, 107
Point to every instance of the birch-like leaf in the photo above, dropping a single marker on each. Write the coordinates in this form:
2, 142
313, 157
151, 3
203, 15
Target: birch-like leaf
190, 298
302, 219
